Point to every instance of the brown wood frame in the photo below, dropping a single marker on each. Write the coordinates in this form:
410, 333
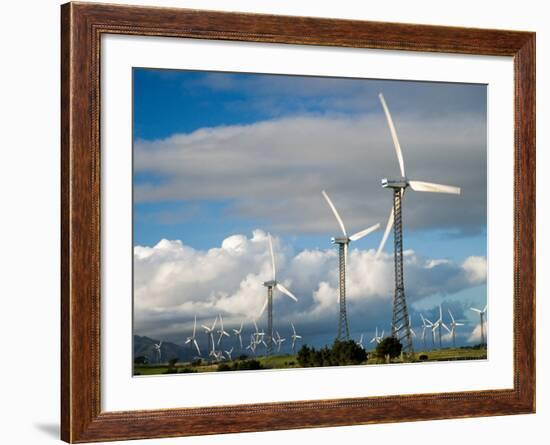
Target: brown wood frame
82, 25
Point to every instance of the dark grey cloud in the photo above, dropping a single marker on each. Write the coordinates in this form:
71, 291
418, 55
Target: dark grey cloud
274, 170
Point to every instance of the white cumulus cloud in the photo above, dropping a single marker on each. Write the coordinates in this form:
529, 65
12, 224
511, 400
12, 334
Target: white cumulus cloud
174, 282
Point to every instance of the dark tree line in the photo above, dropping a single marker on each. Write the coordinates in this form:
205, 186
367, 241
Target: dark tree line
341, 353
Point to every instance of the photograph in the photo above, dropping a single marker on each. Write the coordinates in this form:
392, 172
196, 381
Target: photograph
300, 221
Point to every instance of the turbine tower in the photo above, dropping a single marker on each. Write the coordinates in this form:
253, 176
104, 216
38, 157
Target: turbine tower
273, 283
343, 242
400, 314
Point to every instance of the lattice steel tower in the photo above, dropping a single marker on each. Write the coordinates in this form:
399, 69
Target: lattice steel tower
343, 327
270, 285
400, 314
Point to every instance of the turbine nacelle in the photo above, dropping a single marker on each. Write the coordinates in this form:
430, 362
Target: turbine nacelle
401, 183
270, 283
340, 240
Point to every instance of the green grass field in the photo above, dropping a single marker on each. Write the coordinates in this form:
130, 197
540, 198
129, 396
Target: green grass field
289, 361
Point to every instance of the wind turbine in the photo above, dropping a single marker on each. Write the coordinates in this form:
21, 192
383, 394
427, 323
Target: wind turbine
238, 333
377, 338
454, 324
229, 352
360, 342
257, 335
210, 332
193, 337
279, 340
438, 324
252, 345
221, 331
157, 349
294, 336
273, 283
400, 312
343, 243
218, 355
482, 321
426, 324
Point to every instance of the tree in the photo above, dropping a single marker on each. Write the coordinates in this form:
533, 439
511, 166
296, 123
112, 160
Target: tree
348, 353
303, 356
172, 362
140, 360
340, 354
390, 346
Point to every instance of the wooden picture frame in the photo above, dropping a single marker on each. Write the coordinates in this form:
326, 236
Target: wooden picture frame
82, 26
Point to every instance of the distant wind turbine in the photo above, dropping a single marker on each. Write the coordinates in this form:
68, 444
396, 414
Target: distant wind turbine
438, 325
228, 353
210, 332
360, 342
377, 338
426, 324
273, 283
454, 324
279, 341
193, 338
157, 348
221, 331
238, 333
294, 336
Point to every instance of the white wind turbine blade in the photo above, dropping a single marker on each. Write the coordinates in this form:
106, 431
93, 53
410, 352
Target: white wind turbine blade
261, 312
389, 226
197, 346
484, 309
285, 291
451, 314
214, 324
195, 326
420, 186
393, 135
272, 256
331, 205
476, 310
362, 233
446, 327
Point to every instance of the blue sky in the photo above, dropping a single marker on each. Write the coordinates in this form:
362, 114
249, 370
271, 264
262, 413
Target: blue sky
224, 154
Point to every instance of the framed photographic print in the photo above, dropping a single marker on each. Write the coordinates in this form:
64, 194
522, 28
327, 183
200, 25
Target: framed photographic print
269, 215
